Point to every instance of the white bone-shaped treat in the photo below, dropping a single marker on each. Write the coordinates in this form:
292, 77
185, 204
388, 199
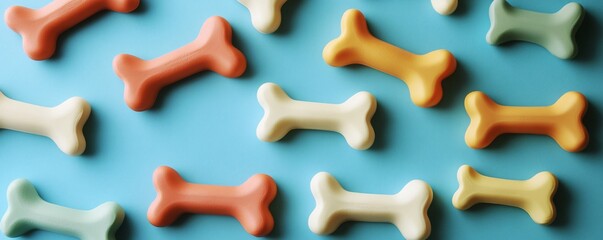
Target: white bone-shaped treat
27, 211
352, 119
535, 195
444, 7
406, 209
63, 123
265, 14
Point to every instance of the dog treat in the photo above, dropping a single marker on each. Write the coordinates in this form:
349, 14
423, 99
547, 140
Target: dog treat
422, 73
248, 203
27, 211
334, 205
555, 32
352, 119
535, 195
212, 50
265, 14
561, 121
444, 7
41, 28
63, 123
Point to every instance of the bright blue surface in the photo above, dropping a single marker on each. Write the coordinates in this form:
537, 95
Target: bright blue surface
205, 126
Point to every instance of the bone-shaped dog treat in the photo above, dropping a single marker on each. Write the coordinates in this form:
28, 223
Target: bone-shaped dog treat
41, 28
352, 119
535, 195
555, 32
249, 203
561, 121
212, 50
422, 73
63, 123
27, 211
334, 205
444, 7
265, 14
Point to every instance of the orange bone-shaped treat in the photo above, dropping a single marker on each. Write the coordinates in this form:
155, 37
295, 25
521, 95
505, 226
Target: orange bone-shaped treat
41, 28
249, 203
562, 121
422, 73
212, 50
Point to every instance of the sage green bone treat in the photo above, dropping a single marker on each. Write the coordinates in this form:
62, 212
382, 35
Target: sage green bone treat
27, 211
555, 31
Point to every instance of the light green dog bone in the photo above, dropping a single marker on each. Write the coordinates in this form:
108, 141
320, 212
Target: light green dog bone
27, 211
555, 31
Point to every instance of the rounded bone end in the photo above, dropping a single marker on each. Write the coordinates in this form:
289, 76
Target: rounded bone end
541, 207
462, 198
21, 196
444, 7
123, 6
325, 218
67, 131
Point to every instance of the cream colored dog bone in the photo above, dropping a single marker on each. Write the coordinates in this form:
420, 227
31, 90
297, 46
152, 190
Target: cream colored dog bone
444, 7
265, 14
27, 211
282, 114
334, 205
535, 195
63, 123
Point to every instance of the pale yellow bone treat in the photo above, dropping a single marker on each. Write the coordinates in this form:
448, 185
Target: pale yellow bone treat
407, 209
63, 123
422, 73
282, 114
265, 14
535, 195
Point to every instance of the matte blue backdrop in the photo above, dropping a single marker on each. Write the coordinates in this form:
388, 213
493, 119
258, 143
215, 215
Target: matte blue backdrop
205, 126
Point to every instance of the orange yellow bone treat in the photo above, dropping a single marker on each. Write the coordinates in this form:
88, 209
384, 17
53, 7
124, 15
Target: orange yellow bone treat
535, 195
422, 73
562, 121
249, 203
40, 28
212, 50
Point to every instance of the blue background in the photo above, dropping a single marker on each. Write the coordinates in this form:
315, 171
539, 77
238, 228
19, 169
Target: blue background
204, 127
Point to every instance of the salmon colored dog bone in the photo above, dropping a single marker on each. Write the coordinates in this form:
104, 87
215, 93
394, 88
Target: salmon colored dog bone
406, 209
249, 203
422, 73
562, 121
555, 32
41, 28
212, 50
27, 211
63, 123
265, 14
282, 114
535, 196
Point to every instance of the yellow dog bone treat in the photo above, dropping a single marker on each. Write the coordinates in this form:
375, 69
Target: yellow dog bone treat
265, 14
535, 195
444, 7
63, 123
282, 114
406, 209
422, 73
562, 121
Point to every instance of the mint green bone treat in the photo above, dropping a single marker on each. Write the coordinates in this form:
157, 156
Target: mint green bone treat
27, 211
555, 31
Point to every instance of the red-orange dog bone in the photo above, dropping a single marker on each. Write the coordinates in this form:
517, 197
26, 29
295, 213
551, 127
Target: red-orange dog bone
41, 28
211, 50
248, 202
